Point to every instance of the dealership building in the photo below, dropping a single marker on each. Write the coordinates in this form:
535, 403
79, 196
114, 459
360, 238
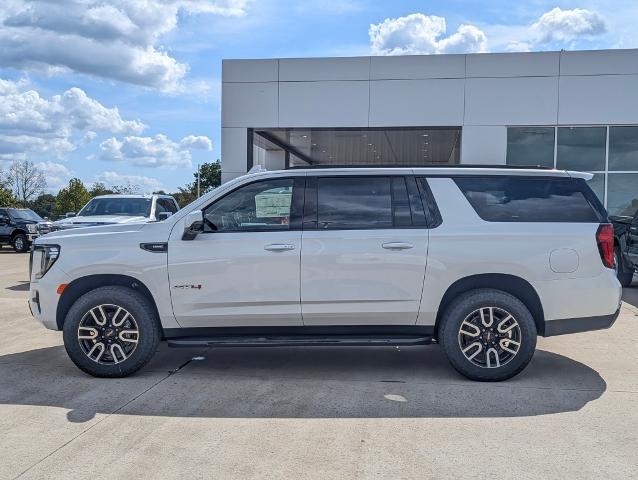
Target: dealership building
570, 110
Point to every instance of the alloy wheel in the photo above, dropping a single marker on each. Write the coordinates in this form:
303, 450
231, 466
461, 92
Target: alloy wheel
19, 243
108, 334
489, 337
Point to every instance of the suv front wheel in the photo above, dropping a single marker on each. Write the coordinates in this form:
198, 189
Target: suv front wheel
488, 335
111, 332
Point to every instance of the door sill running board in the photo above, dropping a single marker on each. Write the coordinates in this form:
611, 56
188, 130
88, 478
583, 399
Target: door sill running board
298, 341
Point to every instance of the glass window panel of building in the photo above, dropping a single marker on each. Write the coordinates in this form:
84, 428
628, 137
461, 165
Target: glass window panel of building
530, 146
581, 148
623, 148
615, 179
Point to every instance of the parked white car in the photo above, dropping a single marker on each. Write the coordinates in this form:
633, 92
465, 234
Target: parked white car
112, 209
480, 260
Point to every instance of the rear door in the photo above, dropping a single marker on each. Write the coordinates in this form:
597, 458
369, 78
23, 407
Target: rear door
364, 249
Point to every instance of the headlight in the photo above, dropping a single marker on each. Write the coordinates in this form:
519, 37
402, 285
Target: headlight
32, 228
44, 256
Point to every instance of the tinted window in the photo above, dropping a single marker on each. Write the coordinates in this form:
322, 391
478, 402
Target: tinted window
528, 199
164, 205
530, 146
259, 206
354, 202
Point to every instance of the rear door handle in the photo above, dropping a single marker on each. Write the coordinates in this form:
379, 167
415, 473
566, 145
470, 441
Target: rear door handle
279, 247
397, 245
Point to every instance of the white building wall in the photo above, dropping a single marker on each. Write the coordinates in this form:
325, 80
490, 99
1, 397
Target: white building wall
482, 93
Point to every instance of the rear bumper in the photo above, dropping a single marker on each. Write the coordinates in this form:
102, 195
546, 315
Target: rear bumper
575, 325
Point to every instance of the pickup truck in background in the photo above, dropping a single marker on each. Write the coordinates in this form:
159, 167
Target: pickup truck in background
626, 247
19, 227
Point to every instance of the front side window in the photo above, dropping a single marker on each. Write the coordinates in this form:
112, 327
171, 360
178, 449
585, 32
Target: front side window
531, 199
259, 206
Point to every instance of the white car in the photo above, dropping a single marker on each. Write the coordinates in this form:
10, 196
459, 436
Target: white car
479, 260
117, 208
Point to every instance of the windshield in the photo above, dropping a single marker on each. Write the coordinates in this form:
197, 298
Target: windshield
24, 214
131, 207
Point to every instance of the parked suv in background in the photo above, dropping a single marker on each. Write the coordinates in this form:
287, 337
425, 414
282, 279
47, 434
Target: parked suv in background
480, 260
111, 209
19, 227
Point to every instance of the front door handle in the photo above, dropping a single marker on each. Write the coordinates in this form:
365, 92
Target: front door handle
397, 245
279, 247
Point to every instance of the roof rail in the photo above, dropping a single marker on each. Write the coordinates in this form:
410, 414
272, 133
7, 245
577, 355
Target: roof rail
464, 165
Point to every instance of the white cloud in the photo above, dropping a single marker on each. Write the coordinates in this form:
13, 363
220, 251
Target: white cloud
157, 151
565, 25
118, 40
137, 183
197, 141
31, 124
57, 174
423, 34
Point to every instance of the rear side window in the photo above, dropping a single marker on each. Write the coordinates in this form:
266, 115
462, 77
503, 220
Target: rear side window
350, 203
531, 199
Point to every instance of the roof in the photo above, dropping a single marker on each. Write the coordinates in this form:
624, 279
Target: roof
132, 195
448, 170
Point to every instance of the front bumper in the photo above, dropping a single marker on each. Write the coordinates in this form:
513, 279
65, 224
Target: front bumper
576, 325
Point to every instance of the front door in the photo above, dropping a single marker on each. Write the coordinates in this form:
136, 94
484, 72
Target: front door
244, 268
364, 251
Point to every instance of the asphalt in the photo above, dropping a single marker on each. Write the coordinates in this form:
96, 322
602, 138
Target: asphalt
320, 412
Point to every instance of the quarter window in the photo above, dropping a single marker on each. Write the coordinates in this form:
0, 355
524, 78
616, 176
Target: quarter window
259, 206
525, 199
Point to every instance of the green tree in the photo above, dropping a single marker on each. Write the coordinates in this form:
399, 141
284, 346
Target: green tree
71, 198
99, 188
210, 176
44, 205
6, 195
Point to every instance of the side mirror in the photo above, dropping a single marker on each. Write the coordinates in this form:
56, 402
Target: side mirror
163, 216
193, 223
69, 214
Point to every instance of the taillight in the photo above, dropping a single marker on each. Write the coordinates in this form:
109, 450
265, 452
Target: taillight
605, 240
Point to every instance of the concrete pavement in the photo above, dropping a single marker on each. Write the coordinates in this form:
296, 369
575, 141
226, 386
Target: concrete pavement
317, 412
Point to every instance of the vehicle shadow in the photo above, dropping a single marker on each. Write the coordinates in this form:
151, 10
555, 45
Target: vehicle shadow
23, 286
317, 382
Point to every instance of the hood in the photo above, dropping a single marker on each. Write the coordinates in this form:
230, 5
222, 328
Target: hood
75, 222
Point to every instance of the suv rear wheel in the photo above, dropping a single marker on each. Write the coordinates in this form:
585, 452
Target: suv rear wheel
111, 332
488, 335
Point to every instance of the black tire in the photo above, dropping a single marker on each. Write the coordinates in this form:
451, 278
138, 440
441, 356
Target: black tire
143, 315
20, 243
462, 308
624, 277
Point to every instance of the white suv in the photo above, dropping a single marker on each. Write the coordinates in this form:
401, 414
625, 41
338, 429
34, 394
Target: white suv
119, 208
480, 260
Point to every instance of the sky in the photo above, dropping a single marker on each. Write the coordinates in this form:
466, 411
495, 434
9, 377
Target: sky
128, 92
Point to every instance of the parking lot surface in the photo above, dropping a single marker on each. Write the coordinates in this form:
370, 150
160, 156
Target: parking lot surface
320, 412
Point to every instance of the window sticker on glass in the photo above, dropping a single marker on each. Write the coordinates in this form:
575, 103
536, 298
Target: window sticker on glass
273, 203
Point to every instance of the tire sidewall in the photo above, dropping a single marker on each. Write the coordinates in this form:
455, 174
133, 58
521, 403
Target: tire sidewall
471, 301
137, 306
25, 243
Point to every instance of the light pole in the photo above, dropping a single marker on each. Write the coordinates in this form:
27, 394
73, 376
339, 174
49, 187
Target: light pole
198, 180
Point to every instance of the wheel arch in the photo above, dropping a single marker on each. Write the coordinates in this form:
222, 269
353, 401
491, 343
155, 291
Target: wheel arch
511, 284
82, 285
17, 232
